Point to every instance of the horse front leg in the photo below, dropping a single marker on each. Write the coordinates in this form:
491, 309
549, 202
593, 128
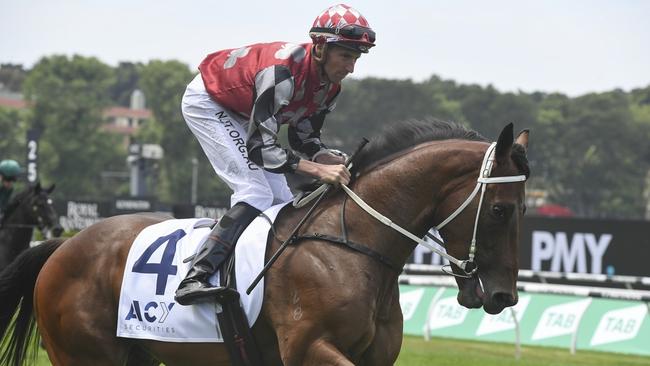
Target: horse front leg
387, 342
317, 353
322, 352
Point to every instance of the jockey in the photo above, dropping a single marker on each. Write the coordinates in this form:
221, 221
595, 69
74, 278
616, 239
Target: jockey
9, 171
235, 107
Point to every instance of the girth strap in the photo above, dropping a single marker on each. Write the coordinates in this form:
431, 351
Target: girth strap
354, 246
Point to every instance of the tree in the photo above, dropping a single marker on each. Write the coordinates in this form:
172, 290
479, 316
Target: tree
127, 77
365, 105
12, 134
12, 77
164, 83
590, 153
68, 96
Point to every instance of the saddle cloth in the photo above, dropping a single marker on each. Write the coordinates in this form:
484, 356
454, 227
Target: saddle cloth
154, 269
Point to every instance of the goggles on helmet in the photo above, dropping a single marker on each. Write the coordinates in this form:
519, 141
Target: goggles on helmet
349, 32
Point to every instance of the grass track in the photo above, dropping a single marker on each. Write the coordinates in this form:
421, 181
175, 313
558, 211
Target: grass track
451, 352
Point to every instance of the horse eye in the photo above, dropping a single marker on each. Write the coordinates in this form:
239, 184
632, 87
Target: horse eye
498, 211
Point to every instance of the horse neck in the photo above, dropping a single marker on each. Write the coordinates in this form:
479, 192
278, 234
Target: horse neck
15, 228
408, 189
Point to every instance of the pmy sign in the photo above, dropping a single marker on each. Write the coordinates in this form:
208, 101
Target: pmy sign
585, 246
569, 255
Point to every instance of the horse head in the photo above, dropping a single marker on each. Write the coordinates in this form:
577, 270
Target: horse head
494, 218
33, 207
45, 213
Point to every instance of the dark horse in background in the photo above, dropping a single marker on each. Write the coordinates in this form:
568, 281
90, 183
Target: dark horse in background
324, 304
27, 210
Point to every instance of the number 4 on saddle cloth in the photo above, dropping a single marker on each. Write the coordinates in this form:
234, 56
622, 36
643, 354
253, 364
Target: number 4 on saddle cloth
155, 267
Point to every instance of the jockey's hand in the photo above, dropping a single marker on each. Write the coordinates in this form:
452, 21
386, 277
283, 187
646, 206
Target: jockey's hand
329, 159
331, 174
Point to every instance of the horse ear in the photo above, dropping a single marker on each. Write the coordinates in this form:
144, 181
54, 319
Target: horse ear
37, 187
522, 138
50, 188
504, 143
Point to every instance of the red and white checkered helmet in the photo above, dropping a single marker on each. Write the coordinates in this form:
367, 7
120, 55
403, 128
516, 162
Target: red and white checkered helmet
344, 26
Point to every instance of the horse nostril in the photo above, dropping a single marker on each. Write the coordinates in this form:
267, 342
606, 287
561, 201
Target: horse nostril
503, 298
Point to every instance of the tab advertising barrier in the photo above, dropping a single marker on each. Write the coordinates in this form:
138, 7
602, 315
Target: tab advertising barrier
590, 324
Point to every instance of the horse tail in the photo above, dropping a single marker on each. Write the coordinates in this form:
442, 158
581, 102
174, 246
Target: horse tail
17, 282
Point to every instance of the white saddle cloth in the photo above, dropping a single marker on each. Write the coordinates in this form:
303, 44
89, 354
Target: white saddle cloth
154, 269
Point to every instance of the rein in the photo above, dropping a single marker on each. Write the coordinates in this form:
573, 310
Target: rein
468, 266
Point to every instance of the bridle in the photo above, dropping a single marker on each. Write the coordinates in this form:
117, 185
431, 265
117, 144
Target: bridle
468, 266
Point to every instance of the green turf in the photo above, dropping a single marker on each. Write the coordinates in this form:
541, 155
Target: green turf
451, 352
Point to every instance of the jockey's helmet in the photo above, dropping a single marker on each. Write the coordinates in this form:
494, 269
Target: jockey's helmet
344, 26
9, 169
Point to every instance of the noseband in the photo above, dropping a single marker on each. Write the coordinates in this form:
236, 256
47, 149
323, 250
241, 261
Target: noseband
468, 266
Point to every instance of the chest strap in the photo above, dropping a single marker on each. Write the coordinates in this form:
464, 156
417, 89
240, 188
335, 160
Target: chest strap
360, 248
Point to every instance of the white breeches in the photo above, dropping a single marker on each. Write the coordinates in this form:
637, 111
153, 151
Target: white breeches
222, 135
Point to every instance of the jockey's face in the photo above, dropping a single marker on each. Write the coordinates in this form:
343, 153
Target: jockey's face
339, 63
7, 182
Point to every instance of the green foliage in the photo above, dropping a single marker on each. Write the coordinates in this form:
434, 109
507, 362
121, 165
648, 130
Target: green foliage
588, 155
12, 77
366, 105
127, 77
68, 96
13, 129
163, 83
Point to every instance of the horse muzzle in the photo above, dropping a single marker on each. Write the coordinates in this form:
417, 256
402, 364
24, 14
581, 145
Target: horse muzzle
473, 294
57, 231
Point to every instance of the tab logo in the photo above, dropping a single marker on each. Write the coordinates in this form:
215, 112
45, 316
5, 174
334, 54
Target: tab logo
409, 302
446, 313
560, 319
619, 325
569, 255
151, 312
503, 321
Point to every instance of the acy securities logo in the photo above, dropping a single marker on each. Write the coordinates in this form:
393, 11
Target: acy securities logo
150, 316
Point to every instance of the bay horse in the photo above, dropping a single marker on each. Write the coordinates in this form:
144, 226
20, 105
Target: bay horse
31, 208
324, 304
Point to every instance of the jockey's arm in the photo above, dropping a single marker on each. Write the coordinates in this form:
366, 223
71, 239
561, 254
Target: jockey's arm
274, 89
273, 93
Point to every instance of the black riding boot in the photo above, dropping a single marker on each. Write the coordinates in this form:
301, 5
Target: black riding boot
217, 247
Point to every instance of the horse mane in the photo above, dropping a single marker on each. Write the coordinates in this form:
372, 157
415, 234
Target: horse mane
399, 136
14, 202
